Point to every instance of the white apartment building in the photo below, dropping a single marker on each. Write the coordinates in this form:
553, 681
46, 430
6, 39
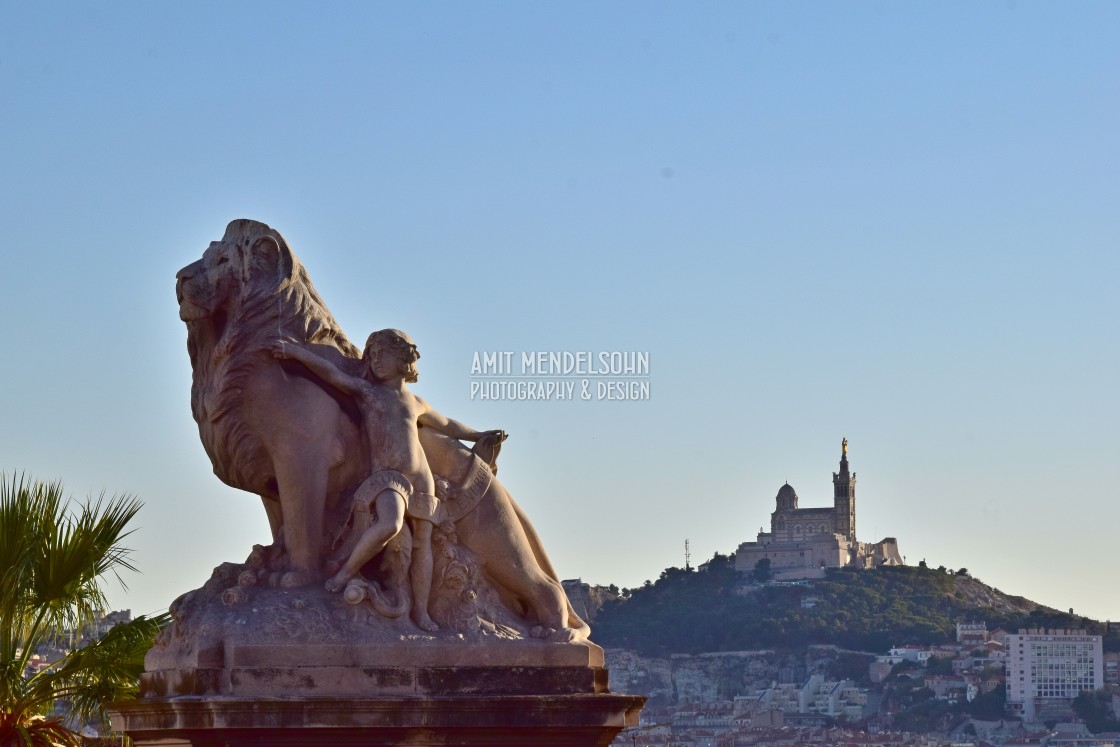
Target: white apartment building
908, 652
816, 695
1049, 665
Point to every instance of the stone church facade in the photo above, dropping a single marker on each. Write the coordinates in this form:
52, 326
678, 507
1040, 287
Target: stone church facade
803, 542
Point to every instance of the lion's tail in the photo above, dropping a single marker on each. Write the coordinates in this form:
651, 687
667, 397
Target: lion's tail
385, 608
360, 590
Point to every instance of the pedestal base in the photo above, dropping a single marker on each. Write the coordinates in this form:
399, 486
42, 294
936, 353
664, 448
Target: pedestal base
216, 721
271, 667
416, 668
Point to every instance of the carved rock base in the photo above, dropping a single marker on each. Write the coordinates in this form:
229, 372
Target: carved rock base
420, 691
576, 719
410, 668
273, 666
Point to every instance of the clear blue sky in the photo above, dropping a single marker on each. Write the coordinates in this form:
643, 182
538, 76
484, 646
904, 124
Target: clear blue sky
895, 222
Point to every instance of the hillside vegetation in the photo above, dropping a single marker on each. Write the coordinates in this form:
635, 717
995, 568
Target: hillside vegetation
718, 609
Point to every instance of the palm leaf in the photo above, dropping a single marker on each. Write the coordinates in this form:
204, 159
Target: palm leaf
108, 669
53, 560
39, 731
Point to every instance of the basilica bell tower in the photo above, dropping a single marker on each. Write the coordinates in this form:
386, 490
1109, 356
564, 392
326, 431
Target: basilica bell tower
844, 498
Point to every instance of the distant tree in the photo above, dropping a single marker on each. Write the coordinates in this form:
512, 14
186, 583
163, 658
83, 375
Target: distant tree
613, 589
989, 706
1095, 709
762, 572
939, 665
720, 561
926, 714
849, 666
52, 561
923, 566
962, 572
1111, 634
942, 569
671, 574
856, 610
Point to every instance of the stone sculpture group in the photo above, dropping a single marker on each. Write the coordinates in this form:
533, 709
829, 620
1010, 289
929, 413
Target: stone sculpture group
340, 452
404, 597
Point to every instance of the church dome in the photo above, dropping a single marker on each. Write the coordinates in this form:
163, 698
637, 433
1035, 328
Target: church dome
787, 497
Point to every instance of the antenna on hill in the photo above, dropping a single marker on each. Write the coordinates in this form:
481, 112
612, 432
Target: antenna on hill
687, 556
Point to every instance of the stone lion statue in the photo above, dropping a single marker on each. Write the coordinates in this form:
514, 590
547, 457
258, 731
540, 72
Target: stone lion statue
272, 429
268, 430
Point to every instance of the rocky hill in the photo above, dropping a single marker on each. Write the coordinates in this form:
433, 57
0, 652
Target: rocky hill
712, 677
586, 599
716, 609
974, 593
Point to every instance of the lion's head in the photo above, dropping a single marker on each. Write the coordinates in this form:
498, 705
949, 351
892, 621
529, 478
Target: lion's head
248, 288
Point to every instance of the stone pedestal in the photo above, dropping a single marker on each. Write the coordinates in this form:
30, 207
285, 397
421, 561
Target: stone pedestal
419, 692
206, 721
424, 667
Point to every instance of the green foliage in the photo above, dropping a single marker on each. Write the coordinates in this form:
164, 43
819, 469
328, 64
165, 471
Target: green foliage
989, 706
860, 610
929, 715
919, 710
1111, 635
52, 561
1094, 708
762, 572
714, 610
1054, 619
849, 666
939, 665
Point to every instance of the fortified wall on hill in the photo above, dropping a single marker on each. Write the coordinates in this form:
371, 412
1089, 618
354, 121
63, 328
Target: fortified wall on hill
803, 542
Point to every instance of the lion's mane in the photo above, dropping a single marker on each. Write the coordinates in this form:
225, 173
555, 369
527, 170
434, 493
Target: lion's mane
272, 298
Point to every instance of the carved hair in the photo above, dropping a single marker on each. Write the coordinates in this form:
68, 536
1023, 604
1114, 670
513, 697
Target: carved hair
400, 345
272, 297
268, 271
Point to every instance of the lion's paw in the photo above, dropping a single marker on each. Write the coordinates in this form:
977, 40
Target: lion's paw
539, 631
563, 635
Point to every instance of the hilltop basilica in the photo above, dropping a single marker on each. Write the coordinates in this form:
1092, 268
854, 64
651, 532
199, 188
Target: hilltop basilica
802, 542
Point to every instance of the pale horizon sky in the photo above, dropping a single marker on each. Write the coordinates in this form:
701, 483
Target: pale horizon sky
894, 222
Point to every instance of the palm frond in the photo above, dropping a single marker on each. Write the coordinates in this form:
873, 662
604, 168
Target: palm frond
39, 731
108, 669
54, 558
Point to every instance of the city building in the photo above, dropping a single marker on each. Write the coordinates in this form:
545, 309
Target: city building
817, 696
1112, 668
909, 652
1051, 668
802, 542
972, 632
